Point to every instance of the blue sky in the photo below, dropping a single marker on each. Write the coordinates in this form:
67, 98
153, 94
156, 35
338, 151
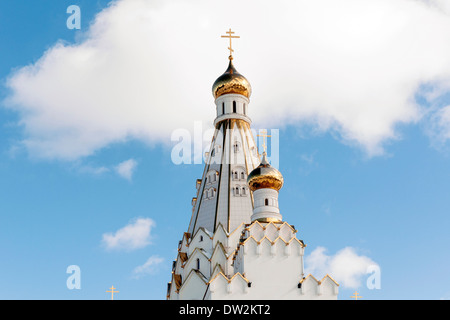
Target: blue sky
366, 167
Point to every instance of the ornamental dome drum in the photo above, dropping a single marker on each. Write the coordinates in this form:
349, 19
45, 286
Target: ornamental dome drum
231, 82
265, 176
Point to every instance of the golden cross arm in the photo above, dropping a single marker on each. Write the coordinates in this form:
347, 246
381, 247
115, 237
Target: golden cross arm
112, 292
356, 296
264, 135
230, 36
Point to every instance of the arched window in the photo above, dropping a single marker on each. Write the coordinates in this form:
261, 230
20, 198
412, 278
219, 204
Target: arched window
201, 238
236, 191
266, 202
235, 175
234, 106
242, 175
243, 191
236, 146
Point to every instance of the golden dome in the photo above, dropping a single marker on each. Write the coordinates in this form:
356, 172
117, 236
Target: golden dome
265, 176
231, 82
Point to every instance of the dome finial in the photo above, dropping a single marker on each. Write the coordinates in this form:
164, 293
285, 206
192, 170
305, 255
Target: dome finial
231, 81
264, 135
230, 36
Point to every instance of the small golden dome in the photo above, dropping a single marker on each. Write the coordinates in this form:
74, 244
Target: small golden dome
265, 176
231, 82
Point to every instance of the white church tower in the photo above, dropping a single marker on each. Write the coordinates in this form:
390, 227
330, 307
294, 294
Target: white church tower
237, 236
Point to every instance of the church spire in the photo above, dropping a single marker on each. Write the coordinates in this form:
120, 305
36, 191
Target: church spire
223, 196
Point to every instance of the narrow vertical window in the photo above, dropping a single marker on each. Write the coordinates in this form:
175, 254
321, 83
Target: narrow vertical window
198, 264
234, 106
266, 202
245, 109
236, 146
223, 107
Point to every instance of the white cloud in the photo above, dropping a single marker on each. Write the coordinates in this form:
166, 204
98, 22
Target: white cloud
346, 266
149, 267
126, 168
93, 170
133, 236
145, 68
439, 126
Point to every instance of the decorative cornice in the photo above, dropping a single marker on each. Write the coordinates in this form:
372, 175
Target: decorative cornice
238, 274
329, 277
277, 224
318, 282
272, 242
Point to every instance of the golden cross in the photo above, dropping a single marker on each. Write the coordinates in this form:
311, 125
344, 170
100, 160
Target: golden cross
112, 292
230, 36
356, 296
264, 135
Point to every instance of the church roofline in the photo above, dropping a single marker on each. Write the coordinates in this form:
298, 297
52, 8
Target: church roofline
222, 248
276, 224
319, 282
329, 277
190, 275
238, 274
273, 242
228, 234
194, 253
201, 229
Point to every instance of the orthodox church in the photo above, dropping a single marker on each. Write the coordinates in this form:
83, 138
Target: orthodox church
237, 245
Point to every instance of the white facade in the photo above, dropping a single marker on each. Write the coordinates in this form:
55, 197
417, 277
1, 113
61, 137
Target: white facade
227, 253
255, 261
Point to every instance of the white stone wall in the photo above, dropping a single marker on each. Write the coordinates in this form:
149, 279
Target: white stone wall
255, 261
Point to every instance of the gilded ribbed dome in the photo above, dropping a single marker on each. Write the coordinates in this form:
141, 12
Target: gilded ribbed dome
231, 82
265, 176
